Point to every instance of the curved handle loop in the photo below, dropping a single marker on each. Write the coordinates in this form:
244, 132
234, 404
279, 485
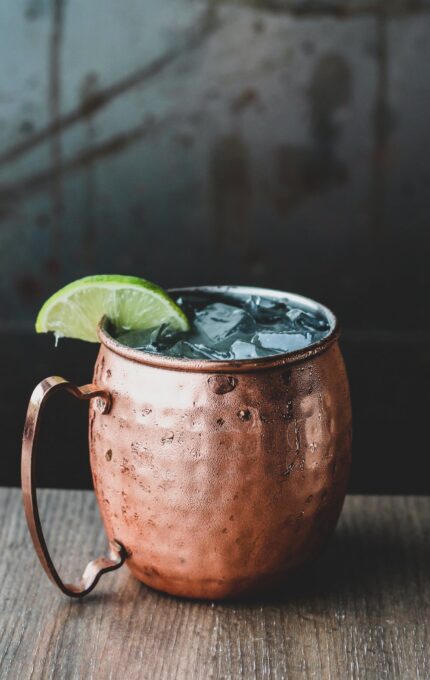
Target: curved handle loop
118, 553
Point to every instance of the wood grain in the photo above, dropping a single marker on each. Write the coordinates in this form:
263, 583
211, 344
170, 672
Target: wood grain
360, 611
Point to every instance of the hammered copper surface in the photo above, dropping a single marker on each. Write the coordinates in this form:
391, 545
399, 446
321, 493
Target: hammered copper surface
220, 484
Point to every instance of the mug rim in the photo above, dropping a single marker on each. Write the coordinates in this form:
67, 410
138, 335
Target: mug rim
228, 365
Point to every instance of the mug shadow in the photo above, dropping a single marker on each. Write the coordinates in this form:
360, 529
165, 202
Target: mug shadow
353, 564
357, 565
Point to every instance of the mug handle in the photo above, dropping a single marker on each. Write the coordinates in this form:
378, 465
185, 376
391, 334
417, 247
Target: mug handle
118, 553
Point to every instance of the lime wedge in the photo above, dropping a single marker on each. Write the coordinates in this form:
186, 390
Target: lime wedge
129, 302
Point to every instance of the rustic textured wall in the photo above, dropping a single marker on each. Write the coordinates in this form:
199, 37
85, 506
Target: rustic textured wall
283, 143
280, 142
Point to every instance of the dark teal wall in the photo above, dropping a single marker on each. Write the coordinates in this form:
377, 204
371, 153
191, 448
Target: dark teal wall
279, 142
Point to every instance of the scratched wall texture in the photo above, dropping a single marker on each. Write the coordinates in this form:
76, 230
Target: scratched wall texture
277, 142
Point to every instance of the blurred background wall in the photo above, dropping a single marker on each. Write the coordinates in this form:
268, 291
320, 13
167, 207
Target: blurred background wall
284, 143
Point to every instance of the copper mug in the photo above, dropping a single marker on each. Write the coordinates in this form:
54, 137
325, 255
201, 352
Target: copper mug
213, 478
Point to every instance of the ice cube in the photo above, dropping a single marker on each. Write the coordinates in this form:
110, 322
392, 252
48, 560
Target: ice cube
137, 339
218, 322
304, 320
246, 350
151, 339
185, 348
266, 311
283, 342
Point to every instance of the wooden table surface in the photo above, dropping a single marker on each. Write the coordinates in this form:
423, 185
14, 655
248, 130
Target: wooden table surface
360, 611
